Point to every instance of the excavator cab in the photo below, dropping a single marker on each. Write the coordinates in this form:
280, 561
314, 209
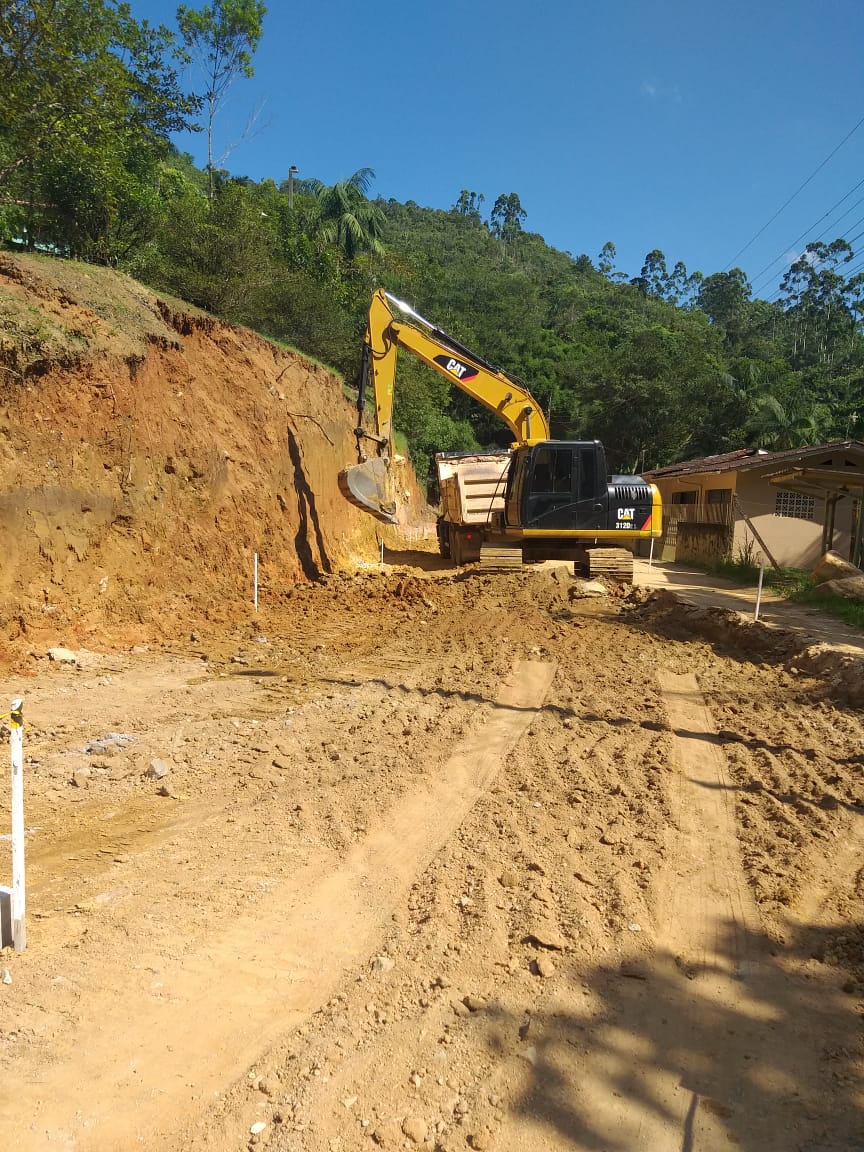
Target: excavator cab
557, 486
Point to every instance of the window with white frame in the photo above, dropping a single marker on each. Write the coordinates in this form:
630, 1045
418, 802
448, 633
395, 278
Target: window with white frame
794, 504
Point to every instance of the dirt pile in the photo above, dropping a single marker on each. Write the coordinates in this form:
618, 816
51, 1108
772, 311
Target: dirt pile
147, 452
840, 672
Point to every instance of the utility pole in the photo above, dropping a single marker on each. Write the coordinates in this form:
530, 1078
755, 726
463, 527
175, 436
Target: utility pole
291, 172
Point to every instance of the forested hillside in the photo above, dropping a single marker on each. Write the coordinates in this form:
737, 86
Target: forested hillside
661, 364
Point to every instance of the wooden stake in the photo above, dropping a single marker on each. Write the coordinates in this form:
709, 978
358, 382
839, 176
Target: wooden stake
752, 528
759, 590
16, 748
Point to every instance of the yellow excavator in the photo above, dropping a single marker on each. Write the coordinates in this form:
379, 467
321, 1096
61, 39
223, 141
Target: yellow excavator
541, 499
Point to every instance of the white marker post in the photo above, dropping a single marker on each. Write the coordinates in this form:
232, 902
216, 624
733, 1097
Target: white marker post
759, 590
255, 580
16, 748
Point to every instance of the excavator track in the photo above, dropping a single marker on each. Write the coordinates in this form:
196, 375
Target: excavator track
498, 559
614, 563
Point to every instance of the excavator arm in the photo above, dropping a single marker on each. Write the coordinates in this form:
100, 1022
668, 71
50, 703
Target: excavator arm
367, 483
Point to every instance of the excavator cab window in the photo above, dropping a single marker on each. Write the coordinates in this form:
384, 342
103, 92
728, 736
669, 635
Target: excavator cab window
550, 487
515, 487
591, 483
553, 472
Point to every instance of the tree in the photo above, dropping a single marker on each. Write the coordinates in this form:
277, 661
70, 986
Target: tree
104, 207
220, 252
777, 426
675, 287
651, 281
606, 259
819, 302
222, 37
89, 96
73, 70
507, 216
723, 297
346, 218
468, 204
681, 286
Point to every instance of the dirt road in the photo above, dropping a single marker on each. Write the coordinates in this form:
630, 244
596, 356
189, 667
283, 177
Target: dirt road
437, 862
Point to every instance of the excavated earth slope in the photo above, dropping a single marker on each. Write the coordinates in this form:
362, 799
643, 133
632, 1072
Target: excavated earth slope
147, 452
411, 858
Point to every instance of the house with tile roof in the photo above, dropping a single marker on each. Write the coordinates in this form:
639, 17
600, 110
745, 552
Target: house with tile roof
789, 506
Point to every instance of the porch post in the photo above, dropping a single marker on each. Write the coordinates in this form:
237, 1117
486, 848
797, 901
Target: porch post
828, 526
856, 542
825, 525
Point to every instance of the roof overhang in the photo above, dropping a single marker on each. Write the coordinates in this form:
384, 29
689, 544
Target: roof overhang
821, 482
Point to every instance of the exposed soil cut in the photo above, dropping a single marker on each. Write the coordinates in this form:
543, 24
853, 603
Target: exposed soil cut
409, 858
147, 453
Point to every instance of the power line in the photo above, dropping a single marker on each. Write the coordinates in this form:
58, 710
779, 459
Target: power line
847, 275
843, 217
807, 231
797, 192
857, 236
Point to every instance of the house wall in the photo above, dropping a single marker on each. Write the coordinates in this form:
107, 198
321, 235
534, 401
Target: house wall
793, 543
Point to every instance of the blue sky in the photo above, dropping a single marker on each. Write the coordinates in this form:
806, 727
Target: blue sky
682, 125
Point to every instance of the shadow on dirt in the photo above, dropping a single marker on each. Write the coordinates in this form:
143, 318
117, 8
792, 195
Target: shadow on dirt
665, 1056
417, 558
308, 515
792, 798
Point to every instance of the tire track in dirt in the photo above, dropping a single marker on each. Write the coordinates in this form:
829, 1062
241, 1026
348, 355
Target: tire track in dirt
232, 998
707, 1046
711, 889
762, 1091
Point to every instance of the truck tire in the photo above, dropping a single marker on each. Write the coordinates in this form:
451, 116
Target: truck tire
456, 551
443, 529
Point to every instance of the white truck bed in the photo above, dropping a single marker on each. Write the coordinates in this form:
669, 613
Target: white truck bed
472, 485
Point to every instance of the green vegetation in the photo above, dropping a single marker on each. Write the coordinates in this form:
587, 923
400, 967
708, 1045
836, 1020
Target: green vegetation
791, 583
744, 570
661, 365
850, 611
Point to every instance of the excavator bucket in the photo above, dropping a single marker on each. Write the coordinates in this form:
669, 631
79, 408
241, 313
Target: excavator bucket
366, 486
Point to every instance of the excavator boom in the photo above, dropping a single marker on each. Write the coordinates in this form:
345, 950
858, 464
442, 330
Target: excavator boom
366, 484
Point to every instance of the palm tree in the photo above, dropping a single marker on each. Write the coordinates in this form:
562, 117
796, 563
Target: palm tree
777, 427
346, 218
